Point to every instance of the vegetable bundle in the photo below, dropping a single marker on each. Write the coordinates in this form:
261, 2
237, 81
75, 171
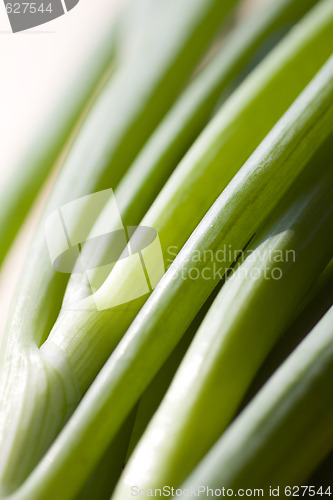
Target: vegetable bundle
218, 141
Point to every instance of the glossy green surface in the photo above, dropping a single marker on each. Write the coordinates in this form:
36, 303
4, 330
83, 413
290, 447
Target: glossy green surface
242, 325
286, 430
127, 110
235, 216
230, 183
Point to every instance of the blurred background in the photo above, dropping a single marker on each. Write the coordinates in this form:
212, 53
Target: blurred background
36, 66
